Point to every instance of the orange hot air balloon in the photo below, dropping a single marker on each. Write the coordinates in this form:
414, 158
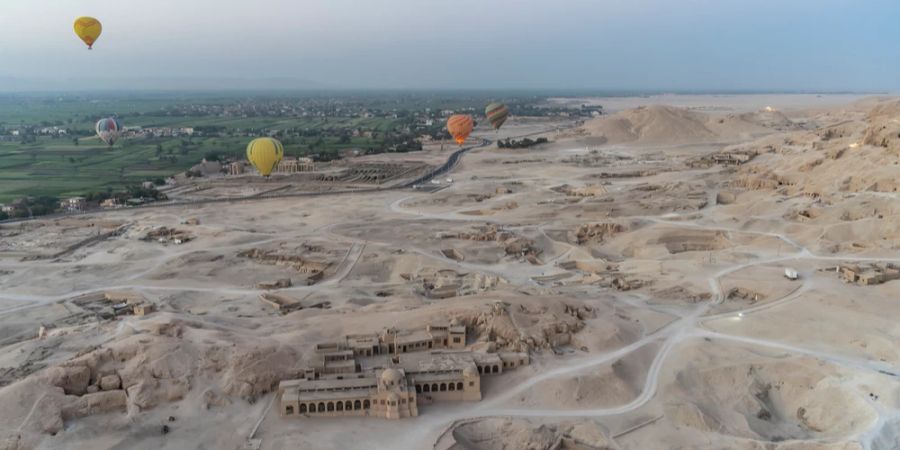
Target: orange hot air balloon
460, 126
88, 30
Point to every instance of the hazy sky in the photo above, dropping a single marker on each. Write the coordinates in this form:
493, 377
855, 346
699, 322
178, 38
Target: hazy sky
567, 44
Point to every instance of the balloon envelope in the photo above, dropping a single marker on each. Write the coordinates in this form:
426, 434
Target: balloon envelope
460, 126
108, 130
88, 30
496, 113
265, 154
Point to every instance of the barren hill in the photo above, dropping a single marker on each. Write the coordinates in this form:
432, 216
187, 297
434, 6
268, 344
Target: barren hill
651, 124
666, 124
850, 156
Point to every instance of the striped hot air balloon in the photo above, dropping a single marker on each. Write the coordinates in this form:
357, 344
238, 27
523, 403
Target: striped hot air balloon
108, 130
496, 114
265, 154
88, 30
460, 126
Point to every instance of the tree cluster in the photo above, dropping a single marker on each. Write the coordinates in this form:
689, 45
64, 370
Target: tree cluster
523, 143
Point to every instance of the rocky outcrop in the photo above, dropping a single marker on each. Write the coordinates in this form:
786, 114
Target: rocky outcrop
596, 232
524, 328
73, 379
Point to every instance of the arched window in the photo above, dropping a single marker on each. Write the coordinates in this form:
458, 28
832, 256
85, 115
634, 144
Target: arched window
289, 411
321, 406
330, 406
451, 387
443, 387
358, 405
348, 405
434, 387
339, 406
303, 408
426, 388
459, 386
496, 369
365, 404
418, 389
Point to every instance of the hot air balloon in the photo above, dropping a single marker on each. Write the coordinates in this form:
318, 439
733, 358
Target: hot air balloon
265, 154
496, 114
88, 30
459, 126
108, 129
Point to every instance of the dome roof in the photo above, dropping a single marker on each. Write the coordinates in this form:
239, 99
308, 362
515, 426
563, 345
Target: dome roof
391, 376
469, 372
454, 322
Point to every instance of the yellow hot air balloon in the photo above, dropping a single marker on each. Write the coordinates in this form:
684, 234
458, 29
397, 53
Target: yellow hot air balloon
265, 154
88, 30
459, 126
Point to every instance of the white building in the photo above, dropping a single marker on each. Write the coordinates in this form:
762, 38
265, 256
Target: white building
73, 204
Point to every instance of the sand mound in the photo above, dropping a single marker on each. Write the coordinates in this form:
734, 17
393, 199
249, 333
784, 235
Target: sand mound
751, 123
660, 124
598, 387
650, 125
789, 399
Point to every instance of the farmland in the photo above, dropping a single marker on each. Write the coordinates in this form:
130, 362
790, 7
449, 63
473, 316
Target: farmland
78, 162
48, 145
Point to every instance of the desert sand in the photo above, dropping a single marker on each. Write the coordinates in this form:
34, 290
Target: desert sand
638, 258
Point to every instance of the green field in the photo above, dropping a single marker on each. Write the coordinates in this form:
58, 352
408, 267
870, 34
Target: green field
312, 124
58, 167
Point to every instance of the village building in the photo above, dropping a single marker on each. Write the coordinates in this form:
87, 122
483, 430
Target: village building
128, 302
207, 168
110, 203
869, 274
295, 165
73, 204
236, 168
391, 374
